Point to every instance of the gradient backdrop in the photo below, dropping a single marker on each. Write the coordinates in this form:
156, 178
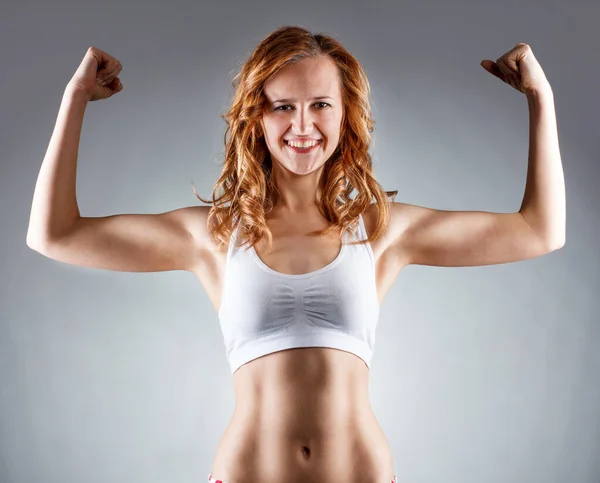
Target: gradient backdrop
480, 375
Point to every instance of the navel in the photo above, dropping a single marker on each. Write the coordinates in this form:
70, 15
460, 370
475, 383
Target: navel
306, 452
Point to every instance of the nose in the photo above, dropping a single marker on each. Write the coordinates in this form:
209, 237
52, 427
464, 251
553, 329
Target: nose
303, 121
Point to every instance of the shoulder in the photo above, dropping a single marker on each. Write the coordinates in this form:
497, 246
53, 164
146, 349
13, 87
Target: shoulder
398, 220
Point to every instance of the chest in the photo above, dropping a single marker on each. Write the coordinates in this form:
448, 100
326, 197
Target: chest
295, 250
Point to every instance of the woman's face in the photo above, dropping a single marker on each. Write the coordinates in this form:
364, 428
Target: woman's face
303, 102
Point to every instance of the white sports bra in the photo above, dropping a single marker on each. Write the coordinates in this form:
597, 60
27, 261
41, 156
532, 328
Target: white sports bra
264, 311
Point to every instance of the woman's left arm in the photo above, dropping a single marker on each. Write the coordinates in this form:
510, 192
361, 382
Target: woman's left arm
426, 236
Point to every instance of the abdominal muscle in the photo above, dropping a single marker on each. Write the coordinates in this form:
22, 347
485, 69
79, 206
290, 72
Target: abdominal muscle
303, 415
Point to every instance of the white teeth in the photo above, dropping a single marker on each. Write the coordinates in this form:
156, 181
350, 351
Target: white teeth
303, 145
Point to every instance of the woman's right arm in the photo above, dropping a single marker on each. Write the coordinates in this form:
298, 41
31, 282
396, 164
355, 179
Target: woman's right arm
175, 240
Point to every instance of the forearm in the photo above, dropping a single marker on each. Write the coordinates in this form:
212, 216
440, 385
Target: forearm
544, 203
54, 208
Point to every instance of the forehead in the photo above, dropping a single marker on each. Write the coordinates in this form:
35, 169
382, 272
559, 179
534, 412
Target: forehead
307, 78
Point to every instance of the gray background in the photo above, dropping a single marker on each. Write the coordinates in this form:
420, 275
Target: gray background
482, 374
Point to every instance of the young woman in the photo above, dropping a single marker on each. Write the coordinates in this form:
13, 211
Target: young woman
294, 265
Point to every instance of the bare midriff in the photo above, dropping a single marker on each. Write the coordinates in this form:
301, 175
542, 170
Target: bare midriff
302, 415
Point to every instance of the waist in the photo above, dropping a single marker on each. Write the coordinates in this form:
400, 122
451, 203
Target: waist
303, 415
352, 448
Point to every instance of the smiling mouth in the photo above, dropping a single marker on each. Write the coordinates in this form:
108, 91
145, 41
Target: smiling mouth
303, 150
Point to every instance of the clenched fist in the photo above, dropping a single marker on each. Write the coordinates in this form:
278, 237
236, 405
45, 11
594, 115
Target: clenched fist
96, 76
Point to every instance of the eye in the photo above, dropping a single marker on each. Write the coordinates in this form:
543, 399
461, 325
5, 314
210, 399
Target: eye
287, 105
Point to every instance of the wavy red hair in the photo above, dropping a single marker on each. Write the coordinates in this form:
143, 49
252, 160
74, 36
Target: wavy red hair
247, 187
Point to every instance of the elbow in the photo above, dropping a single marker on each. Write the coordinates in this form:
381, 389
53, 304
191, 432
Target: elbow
35, 247
35, 243
556, 244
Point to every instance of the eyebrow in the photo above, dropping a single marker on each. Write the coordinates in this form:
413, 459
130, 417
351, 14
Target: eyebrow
293, 100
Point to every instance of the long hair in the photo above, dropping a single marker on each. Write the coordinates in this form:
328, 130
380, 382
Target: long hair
248, 190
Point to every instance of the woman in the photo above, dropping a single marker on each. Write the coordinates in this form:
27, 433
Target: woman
295, 267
